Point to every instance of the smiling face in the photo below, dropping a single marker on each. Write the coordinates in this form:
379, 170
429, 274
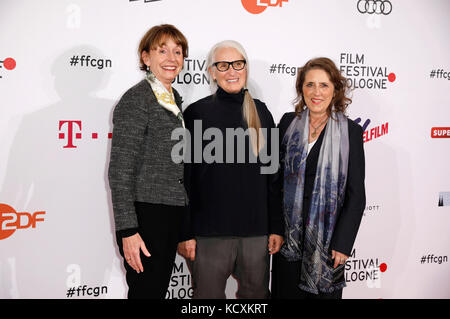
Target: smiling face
165, 61
231, 81
318, 91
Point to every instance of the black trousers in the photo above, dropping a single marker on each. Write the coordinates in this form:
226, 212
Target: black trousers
159, 227
285, 279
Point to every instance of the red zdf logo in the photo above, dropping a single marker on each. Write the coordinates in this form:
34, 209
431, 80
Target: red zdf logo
258, 6
10, 220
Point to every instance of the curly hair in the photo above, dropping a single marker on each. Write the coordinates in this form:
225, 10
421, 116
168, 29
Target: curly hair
340, 100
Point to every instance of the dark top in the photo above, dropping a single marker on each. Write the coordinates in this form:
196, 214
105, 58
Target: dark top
141, 166
349, 217
229, 199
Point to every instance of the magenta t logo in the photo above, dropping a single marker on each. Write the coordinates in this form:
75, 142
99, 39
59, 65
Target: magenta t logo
70, 132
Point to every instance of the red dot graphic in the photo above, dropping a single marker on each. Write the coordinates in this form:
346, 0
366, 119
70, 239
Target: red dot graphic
391, 77
383, 267
9, 63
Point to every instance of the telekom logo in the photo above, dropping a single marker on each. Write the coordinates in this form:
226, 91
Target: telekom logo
70, 127
10, 220
71, 130
258, 6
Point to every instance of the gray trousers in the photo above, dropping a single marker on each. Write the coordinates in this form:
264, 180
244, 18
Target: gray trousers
216, 258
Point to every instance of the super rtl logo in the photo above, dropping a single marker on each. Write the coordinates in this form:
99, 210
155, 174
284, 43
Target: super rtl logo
10, 220
440, 132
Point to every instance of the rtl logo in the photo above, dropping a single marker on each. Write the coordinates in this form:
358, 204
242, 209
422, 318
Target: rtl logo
258, 6
10, 220
374, 132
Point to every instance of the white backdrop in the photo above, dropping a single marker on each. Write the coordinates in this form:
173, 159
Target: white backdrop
56, 220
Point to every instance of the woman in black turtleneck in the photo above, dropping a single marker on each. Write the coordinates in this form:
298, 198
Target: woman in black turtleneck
234, 221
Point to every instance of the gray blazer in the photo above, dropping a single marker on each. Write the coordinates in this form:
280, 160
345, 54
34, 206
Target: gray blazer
141, 167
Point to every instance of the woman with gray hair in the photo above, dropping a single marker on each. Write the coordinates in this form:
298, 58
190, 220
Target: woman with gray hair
234, 220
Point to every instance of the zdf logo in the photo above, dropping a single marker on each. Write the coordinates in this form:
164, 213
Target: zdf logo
258, 6
10, 220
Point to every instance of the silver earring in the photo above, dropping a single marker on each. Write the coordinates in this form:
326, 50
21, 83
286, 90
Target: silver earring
150, 76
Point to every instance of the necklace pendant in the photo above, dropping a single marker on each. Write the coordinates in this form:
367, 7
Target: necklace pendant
313, 134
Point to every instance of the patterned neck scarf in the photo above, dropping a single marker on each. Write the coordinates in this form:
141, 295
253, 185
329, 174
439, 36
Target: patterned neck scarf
165, 98
308, 233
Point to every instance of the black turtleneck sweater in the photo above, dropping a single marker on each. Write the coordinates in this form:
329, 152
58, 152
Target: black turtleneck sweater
229, 199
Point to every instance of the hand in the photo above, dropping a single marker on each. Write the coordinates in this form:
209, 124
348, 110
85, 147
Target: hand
132, 247
275, 243
187, 249
339, 258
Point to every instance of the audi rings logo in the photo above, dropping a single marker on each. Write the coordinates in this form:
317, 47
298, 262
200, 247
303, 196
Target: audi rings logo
375, 7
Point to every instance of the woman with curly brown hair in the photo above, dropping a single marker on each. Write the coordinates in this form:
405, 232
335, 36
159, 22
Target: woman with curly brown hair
322, 164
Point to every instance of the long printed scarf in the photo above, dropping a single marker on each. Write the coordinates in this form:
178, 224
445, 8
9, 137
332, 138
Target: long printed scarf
165, 98
308, 239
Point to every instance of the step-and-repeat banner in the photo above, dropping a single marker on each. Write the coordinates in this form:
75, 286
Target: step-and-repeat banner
65, 64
